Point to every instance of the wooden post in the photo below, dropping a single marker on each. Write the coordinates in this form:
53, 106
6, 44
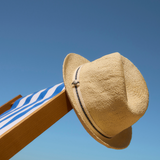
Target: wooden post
32, 126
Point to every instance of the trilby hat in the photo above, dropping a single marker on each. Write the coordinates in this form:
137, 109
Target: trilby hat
108, 95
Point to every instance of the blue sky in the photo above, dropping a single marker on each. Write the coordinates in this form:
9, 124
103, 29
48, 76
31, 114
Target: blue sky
35, 37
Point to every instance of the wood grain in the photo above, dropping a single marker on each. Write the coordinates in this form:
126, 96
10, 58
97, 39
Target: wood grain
32, 126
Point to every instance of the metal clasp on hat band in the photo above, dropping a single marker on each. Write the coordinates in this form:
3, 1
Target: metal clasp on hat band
75, 82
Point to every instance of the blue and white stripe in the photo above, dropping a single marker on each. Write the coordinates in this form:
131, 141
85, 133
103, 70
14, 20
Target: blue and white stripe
27, 105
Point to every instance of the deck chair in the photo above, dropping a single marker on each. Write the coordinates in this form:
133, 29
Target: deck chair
22, 119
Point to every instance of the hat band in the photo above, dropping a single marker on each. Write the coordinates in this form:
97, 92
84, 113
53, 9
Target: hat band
76, 84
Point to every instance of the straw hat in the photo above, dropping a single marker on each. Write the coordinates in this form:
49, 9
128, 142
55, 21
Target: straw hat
108, 95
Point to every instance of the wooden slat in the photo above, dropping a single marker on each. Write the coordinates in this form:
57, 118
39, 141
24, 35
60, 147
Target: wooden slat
33, 125
8, 105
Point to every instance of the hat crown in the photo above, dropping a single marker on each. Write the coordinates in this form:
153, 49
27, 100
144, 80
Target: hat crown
114, 93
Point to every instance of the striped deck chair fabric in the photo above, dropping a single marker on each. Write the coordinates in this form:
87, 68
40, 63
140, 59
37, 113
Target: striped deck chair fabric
27, 105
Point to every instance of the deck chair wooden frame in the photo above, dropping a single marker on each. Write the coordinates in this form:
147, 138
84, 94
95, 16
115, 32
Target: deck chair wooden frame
33, 125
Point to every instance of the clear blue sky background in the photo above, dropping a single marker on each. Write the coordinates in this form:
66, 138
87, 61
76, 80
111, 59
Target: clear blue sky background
35, 37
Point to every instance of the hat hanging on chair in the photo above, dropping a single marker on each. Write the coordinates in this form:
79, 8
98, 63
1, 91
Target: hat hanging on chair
108, 95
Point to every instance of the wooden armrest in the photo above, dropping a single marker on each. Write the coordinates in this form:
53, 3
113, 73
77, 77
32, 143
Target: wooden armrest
9, 104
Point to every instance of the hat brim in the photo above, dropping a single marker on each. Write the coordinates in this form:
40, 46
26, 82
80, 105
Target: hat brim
71, 63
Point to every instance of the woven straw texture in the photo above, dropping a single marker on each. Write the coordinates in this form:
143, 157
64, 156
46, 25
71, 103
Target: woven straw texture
114, 95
